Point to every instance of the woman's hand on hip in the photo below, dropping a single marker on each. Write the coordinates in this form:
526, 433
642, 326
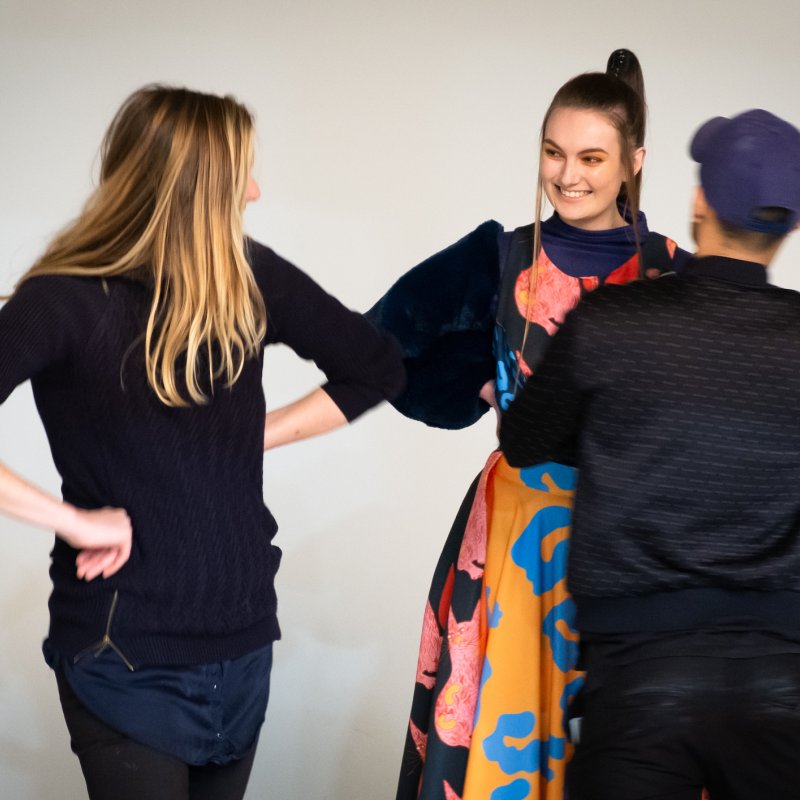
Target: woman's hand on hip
104, 537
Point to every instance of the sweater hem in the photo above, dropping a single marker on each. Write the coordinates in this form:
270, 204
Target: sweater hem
169, 650
687, 609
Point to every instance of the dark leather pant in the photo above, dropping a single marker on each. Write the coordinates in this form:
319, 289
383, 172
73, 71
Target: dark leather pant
664, 728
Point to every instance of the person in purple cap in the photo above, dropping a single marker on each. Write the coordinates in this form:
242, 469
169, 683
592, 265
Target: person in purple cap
685, 552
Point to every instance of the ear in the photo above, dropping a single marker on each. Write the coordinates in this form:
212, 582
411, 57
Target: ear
638, 159
699, 205
253, 191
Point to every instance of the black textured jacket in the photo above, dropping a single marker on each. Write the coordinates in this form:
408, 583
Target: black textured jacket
679, 401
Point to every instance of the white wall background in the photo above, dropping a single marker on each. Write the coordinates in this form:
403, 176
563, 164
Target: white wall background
387, 130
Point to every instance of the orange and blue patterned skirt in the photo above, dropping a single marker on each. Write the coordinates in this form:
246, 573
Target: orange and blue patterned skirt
496, 669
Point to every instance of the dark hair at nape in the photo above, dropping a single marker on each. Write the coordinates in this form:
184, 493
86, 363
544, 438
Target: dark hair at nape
757, 241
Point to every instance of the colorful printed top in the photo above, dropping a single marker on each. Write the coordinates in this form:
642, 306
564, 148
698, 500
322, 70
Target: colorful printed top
496, 667
460, 316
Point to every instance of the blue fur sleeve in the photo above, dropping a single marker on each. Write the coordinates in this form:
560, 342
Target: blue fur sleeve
442, 312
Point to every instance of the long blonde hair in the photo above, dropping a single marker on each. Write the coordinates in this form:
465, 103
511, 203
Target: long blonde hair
169, 205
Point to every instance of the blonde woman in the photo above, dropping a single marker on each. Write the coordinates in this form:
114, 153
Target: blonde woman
142, 329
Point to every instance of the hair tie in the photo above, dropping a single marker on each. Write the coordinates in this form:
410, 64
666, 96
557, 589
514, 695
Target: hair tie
619, 62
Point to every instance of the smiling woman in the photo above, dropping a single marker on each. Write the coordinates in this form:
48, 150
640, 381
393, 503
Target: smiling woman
582, 168
496, 671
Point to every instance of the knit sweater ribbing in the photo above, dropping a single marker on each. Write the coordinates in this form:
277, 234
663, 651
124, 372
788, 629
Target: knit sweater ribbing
199, 586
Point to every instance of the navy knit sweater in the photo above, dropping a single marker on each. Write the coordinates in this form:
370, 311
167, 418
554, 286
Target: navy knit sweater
199, 585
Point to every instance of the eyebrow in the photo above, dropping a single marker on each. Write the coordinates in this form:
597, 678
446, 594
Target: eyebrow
582, 152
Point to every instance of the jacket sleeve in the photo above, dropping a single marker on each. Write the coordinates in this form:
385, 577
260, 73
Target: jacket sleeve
442, 312
363, 366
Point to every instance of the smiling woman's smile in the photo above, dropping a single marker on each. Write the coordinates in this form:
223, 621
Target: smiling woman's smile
572, 195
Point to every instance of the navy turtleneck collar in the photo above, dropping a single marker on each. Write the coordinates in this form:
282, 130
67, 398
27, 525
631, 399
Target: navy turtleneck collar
581, 253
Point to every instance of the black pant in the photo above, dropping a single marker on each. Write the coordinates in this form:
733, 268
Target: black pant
664, 728
117, 768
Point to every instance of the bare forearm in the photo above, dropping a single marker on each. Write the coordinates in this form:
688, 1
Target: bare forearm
312, 415
102, 535
28, 503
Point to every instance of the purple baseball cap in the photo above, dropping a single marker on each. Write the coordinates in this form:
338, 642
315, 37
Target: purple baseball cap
748, 162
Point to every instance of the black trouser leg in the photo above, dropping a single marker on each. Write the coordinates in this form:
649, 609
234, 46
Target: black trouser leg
663, 728
221, 782
118, 768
